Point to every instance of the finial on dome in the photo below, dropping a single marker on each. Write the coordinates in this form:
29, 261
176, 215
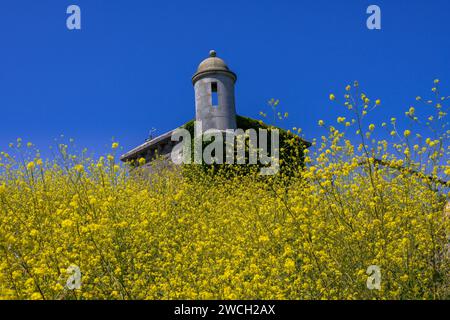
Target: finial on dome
212, 53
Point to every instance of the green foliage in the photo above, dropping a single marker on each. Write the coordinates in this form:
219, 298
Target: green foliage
291, 153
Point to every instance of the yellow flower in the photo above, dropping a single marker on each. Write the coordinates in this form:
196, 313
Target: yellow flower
406, 133
92, 200
30, 165
378, 102
67, 223
289, 265
332, 97
321, 123
371, 127
115, 145
36, 296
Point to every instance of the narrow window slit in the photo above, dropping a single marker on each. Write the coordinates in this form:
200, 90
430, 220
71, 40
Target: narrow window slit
214, 96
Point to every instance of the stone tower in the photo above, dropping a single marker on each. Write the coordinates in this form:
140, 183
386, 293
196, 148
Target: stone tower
214, 94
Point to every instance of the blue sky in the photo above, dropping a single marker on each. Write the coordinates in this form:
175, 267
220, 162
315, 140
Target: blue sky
129, 69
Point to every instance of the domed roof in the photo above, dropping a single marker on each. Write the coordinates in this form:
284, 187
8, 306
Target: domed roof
212, 64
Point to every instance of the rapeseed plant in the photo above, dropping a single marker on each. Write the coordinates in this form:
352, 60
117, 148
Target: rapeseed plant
182, 233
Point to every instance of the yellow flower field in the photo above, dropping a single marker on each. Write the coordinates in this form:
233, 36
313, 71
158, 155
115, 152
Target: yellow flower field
309, 234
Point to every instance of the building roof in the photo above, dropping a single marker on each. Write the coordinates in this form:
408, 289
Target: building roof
146, 145
212, 64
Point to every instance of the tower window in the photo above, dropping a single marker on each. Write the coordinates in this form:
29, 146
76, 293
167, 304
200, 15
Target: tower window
214, 96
